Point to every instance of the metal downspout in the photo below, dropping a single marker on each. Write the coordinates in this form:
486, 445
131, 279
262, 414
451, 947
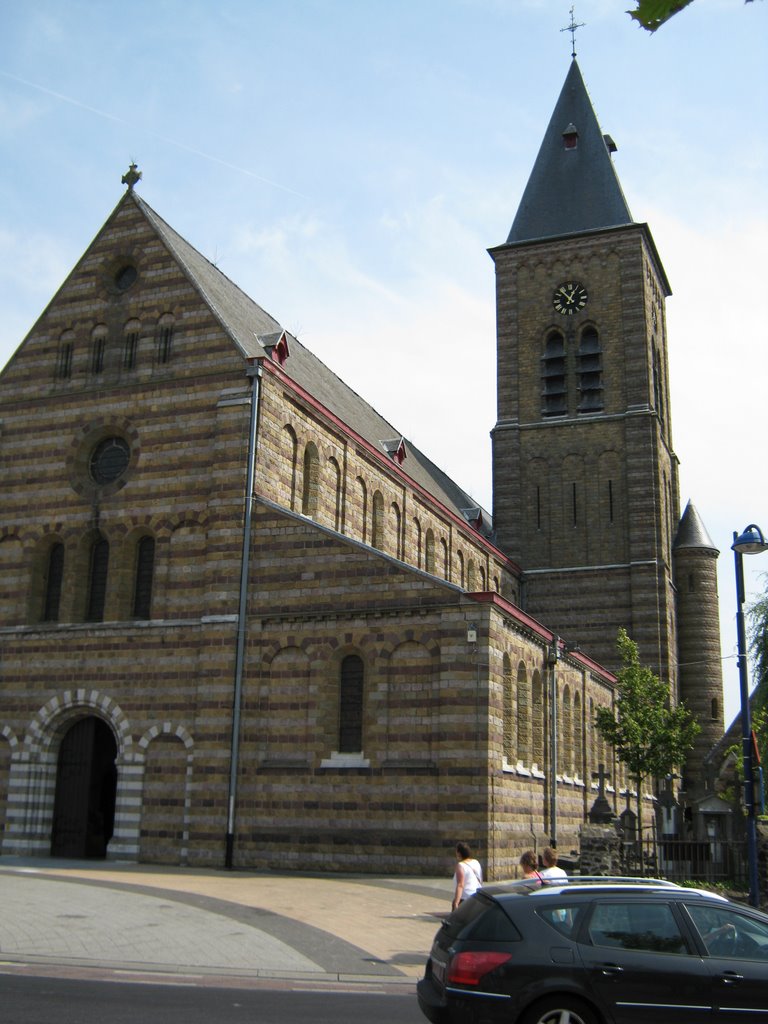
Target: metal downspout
254, 372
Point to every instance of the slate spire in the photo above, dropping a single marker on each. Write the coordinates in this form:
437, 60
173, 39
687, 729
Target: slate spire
573, 186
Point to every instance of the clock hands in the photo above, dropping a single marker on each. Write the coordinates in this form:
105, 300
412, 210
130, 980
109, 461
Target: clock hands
570, 297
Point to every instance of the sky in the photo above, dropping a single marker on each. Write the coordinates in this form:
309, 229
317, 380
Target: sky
348, 163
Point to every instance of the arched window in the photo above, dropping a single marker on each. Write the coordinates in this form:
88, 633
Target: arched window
508, 738
523, 694
444, 557
429, 551
53, 580
165, 327
363, 499
554, 391
537, 719
471, 577
64, 357
460, 567
565, 760
397, 529
336, 484
131, 344
145, 566
98, 348
578, 735
658, 391
351, 705
590, 371
377, 521
311, 480
97, 580
292, 445
417, 534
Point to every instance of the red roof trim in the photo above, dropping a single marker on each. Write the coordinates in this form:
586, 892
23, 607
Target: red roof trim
289, 382
491, 597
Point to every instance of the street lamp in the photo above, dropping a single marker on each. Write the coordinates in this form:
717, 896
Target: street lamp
554, 655
750, 542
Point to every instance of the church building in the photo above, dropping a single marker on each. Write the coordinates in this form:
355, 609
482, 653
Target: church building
244, 620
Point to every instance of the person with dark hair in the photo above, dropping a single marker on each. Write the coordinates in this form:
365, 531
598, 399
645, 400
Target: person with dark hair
530, 866
551, 870
468, 874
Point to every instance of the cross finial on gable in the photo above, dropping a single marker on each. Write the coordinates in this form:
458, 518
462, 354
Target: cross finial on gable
131, 176
572, 29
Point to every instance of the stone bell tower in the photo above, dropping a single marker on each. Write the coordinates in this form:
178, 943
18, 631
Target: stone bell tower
584, 472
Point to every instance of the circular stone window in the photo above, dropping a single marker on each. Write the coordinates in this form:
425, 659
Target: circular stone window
125, 277
109, 460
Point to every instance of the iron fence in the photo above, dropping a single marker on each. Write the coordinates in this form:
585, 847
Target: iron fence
686, 860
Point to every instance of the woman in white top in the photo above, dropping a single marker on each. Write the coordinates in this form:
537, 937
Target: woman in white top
468, 875
550, 869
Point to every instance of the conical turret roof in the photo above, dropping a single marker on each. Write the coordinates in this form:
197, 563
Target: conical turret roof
692, 533
573, 186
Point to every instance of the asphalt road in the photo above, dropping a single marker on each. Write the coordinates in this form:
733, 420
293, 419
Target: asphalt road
32, 1000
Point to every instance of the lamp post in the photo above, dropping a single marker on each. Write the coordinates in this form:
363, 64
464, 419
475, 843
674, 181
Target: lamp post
553, 656
750, 542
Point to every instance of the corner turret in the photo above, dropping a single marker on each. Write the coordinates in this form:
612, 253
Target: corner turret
698, 644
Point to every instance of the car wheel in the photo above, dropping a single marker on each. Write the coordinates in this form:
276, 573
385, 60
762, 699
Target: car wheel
564, 1009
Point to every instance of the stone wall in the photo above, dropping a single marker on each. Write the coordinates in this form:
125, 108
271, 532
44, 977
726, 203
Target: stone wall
600, 850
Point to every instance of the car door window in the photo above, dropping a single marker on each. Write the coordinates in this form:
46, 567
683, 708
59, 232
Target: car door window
636, 925
564, 919
729, 934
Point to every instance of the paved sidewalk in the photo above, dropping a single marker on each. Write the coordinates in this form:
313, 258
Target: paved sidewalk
132, 918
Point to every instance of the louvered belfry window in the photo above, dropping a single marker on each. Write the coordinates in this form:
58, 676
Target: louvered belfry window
590, 372
351, 705
554, 393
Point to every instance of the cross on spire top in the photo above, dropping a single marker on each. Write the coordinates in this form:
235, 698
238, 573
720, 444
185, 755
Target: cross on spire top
130, 178
572, 29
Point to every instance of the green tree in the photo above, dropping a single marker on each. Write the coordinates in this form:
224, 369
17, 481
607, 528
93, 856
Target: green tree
757, 638
652, 14
649, 737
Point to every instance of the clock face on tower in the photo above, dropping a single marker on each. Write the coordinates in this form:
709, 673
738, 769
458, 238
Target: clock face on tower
569, 298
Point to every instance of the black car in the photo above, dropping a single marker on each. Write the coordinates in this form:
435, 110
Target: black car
597, 951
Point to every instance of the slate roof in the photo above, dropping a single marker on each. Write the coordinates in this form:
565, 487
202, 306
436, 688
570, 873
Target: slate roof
246, 322
692, 533
571, 190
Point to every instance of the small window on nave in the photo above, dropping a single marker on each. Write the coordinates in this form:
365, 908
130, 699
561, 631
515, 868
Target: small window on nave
311, 482
429, 551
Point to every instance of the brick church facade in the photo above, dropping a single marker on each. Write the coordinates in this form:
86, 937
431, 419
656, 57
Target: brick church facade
244, 620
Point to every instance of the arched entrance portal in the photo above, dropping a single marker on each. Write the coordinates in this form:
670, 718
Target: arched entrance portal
86, 784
